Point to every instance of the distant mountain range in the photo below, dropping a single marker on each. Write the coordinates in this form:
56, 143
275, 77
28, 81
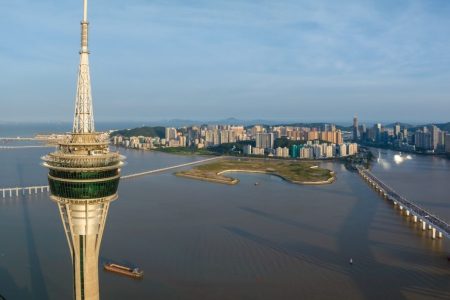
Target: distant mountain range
157, 131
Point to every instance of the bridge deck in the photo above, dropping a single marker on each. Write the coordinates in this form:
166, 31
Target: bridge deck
414, 208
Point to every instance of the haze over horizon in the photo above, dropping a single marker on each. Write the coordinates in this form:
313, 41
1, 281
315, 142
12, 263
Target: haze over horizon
208, 60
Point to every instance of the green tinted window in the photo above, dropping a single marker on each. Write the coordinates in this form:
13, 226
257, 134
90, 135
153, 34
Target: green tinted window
82, 190
84, 175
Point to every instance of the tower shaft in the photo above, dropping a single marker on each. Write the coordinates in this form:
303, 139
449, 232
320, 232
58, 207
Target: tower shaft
84, 225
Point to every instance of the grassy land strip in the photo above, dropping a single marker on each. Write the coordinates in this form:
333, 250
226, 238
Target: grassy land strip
292, 171
185, 151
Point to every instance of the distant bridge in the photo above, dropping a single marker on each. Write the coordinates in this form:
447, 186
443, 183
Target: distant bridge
25, 147
168, 168
438, 226
18, 138
16, 191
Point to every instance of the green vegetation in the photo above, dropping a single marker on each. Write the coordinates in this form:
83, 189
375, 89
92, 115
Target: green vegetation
285, 142
223, 149
185, 151
142, 131
292, 171
231, 148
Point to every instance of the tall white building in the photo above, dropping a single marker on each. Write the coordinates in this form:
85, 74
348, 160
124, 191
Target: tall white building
264, 140
282, 152
342, 150
171, 133
306, 153
247, 149
257, 151
447, 143
352, 149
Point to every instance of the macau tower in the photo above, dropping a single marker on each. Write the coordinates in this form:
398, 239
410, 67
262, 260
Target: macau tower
83, 177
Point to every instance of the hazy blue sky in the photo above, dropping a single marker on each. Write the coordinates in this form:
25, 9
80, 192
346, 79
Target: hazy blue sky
278, 59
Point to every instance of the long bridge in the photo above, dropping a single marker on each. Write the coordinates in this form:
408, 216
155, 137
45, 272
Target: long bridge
168, 168
26, 147
18, 138
16, 191
438, 226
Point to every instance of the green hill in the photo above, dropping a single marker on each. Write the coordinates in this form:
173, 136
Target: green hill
442, 126
157, 131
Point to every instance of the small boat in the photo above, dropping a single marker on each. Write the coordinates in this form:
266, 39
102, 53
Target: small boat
256, 183
130, 272
351, 261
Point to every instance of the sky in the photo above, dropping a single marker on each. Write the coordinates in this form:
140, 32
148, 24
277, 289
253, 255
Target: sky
290, 60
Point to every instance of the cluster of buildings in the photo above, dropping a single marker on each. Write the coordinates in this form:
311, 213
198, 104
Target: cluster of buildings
308, 150
304, 142
429, 139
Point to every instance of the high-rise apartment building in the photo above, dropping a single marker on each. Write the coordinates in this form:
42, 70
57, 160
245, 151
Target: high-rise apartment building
447, 143
397, 130
423, 139
171, 133
435, 136
356, 134
264, 140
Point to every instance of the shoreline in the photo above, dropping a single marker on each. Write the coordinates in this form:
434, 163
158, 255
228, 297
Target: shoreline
234, 181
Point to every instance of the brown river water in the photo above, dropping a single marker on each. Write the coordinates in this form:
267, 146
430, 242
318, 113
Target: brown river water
201, 240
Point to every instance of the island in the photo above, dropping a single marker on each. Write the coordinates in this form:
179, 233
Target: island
291, 171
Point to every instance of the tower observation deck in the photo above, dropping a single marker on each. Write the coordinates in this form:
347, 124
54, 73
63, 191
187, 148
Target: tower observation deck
83, 178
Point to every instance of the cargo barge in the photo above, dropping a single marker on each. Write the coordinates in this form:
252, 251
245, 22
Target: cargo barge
126, 271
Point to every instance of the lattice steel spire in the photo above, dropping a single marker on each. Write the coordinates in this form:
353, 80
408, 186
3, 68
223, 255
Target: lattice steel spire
83, 121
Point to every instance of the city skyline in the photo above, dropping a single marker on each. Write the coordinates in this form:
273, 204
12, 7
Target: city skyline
214, 60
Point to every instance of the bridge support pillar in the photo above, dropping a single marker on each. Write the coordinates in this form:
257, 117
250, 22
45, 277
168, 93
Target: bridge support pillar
3, 193
35, 190
415, 219
10, 192
29, 191
42, 189
17, 192
424, 225
429, 227
407, 213
401, 207
433, 233
440, 235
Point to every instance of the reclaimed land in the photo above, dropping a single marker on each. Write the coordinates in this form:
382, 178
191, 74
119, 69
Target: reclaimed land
291, 171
